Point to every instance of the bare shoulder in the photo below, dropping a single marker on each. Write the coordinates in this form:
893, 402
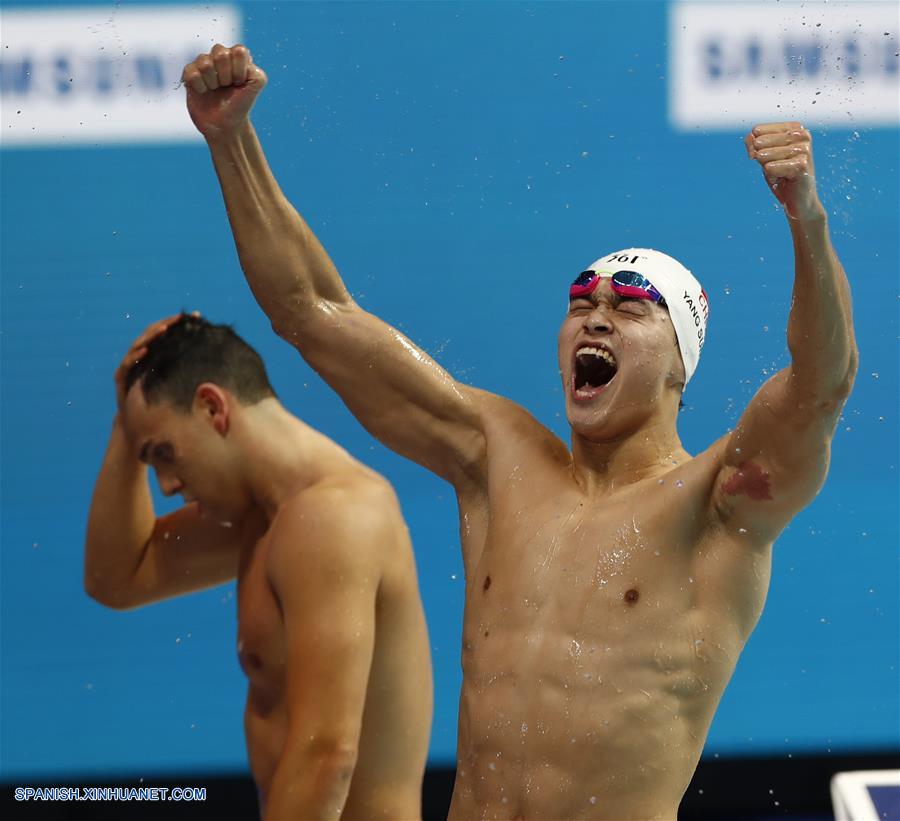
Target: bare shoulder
342, 522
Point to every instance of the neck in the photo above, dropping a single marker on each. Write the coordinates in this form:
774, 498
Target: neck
602, 465
281, 455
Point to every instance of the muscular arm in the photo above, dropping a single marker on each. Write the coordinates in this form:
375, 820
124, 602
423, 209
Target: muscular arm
132, 557
325, 572
777, 457
398, 393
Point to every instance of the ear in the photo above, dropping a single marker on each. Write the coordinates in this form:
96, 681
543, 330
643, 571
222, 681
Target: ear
213, 403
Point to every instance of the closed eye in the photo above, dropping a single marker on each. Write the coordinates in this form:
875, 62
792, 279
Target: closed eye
578, 305
163, 452
632, 305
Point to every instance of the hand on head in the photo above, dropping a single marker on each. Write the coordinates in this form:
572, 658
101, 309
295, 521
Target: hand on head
221, 88
138, 350
784, 152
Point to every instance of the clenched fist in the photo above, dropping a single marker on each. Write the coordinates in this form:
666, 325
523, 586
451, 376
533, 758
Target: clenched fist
221, 89
784, 151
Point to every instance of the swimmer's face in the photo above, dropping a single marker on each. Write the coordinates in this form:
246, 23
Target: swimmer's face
187, 451
619, 362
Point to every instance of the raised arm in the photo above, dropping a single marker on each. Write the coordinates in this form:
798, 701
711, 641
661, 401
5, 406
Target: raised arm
776, 459
398, 392
131, 557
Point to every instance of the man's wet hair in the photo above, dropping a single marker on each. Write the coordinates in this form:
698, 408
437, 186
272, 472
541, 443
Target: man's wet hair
193, 351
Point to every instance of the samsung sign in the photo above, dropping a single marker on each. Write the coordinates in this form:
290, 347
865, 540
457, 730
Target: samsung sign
102, 74
733, 64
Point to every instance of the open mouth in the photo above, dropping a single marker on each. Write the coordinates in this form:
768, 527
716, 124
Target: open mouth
594, 370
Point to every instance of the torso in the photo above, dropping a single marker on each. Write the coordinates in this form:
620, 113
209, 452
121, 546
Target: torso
598, 636
394, 737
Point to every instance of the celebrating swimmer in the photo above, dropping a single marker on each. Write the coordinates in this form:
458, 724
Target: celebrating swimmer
331, 632
610, 586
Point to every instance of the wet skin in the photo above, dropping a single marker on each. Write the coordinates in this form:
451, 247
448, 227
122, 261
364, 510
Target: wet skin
331, 631
610, 588
600, 632
386, 781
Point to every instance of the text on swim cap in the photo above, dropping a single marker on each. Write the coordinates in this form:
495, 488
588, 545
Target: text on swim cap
699, 323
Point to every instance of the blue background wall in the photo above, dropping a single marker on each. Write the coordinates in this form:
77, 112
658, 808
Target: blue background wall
486, 152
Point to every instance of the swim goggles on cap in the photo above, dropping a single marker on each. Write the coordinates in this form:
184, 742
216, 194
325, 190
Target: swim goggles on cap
624, 283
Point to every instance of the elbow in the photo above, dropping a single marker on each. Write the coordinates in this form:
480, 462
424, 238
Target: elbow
332, 758
305, 324
292, 318
104, 594
825, 388
843, 386
335, 756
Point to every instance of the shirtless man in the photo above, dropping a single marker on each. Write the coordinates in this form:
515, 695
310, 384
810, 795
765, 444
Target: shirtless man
610, 588
331, 632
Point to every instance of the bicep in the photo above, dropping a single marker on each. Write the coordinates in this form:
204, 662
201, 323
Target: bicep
329, 655
398, 392
775, 461
186, 552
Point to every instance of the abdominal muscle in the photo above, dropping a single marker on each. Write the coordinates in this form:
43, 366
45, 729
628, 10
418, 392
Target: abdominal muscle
591, 699
584, 728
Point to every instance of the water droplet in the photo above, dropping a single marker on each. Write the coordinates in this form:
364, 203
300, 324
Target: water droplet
875, 375
492, 766
679, 483
593, 799
453, 576
178, 640
742, 530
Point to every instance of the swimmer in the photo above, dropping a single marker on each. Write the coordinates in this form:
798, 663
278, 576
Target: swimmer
331, 632
610, 585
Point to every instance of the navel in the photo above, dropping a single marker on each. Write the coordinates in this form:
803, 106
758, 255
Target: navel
631, 596
487, 584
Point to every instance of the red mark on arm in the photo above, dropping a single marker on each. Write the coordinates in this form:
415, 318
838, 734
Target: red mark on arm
748, 480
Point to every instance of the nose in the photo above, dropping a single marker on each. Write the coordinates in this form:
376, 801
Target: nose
597, 321
169, 485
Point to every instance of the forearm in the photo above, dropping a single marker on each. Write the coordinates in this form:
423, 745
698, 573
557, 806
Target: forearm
820, 328
286, 267
120, 522
309, 786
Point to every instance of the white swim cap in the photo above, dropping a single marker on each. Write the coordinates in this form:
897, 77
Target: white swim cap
685, 298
